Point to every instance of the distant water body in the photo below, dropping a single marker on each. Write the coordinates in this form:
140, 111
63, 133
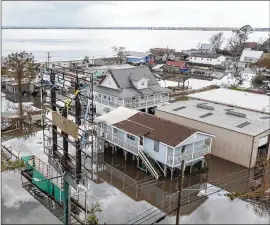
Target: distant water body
75, 44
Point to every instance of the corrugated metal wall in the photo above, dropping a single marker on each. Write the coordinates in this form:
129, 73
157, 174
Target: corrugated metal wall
227, 144
255, 147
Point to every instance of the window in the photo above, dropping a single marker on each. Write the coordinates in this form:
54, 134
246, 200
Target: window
195, 58
109, 98
156, 146
142, 97
112, 98
141, 140
142, 83
201, 58
131, 137
115, 130
105, 96
183, 149
105, 126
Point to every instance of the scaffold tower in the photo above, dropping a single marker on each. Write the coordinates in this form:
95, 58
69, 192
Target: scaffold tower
69, 136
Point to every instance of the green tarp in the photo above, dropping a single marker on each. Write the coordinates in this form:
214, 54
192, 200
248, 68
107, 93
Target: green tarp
42, 182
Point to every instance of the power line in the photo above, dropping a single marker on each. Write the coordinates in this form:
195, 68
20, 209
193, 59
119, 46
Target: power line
180, 192
163, 217
236, 173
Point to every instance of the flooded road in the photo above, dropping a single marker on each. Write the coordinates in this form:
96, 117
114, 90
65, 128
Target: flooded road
129, 195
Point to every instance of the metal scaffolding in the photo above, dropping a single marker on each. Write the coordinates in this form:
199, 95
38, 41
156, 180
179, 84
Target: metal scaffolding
69, 136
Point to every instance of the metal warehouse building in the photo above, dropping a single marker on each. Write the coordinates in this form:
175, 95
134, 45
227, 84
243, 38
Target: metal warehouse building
238, 99
241, 136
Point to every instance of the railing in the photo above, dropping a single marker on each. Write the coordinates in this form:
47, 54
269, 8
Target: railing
173, 161
108, 102
120, 142
132, 103
148, 164
135, 104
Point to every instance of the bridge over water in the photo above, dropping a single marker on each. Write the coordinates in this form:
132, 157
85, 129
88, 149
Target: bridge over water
256, 29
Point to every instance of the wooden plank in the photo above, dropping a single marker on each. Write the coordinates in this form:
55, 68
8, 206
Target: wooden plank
65, 125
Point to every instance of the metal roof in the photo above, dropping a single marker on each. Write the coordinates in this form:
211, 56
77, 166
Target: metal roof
258, 122
240, 99
250, 54
136, 76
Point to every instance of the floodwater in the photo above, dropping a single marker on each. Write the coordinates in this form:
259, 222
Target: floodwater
18, 206
129, 195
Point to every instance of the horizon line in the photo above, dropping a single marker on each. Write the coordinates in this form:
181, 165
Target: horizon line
256, 29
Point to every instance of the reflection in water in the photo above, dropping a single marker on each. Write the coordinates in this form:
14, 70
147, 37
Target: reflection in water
18, 206
163, 193
140, 186
139, 192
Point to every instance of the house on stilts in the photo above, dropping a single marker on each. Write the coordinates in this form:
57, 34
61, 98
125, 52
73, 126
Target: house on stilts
157, 144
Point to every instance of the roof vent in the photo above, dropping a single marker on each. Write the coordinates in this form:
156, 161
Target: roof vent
243, 124
266, 117
205, 106
179, 108
206, 115
243, 115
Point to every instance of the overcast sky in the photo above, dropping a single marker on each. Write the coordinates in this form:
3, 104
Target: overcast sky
141, 13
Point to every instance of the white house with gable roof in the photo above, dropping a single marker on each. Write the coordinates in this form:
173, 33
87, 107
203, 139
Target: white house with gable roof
134, 88
250, 56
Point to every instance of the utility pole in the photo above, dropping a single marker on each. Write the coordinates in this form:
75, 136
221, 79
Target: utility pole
48, 59
180, 188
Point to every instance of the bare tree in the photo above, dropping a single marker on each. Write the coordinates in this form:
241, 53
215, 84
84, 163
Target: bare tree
264, 44
23, 69
120, 53
236, 43
199, 46
86, 59
217, 40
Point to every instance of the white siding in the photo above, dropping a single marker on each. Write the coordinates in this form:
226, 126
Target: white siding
101, 107
142, 83
209, 61
263, 141
109, 82
227, 144
148, 147
195, 138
